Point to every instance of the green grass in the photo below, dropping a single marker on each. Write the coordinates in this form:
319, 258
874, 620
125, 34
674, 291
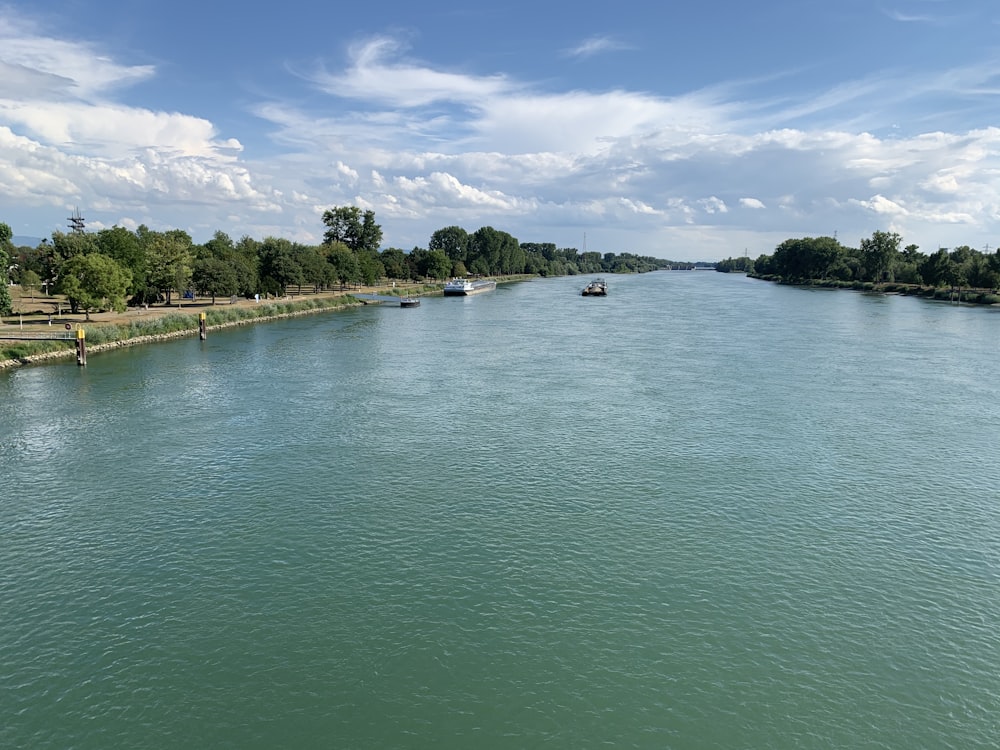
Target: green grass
108, 333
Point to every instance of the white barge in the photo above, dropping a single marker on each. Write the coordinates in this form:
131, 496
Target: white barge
465, 287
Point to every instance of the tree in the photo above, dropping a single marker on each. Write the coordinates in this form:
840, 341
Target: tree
245, 262
493, 251
344, 263
66, 246
806, 258
169, 259
436, 265
124, 248
454, 241
346, 224
938, 269
215, 277
30, 281
92, 281
394, 262
6, 303
879, 252
278, 268
313, 265
370, 267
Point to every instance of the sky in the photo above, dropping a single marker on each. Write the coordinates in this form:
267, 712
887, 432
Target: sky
687, 131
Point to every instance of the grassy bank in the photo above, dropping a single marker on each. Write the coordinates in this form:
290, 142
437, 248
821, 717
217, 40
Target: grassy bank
156, 327
942, 294
140, 326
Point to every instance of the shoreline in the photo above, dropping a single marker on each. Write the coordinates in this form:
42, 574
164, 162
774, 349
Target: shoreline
157, 337
416, 290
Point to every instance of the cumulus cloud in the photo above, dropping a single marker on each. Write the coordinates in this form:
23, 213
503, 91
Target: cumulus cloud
713, 205
425, 146
879, 204
65, 140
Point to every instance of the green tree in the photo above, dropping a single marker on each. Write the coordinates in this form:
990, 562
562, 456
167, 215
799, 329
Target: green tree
879, 254
492, 251
169, 258
348, 225
246, 262
417, 261
963, 258
344, 263
436, 265
993, 263
93, 281
6, 303
278, 268
31, 281
806, 258
213, 276
314, 266
124, 248
394, 262
67, 245
938, 269
454, 241
370, 267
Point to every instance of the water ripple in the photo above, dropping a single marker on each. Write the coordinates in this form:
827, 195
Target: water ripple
514, 520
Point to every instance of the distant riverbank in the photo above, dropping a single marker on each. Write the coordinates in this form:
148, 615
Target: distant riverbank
942, 294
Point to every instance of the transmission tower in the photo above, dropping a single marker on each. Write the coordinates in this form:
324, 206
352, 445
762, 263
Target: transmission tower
76, 221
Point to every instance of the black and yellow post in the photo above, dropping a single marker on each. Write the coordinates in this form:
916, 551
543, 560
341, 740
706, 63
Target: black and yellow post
202, 328
81, 347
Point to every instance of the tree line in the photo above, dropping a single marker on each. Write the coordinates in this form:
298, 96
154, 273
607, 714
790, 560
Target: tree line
878, 259
111, 268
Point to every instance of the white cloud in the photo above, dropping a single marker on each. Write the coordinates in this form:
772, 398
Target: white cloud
713, 205
879, 204
50, 69
425, 147
374, 75
595, 45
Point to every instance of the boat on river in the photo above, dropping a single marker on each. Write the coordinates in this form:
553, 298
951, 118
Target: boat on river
466, 287
596, 288
409, 302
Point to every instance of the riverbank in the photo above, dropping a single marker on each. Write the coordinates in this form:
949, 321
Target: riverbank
48, 314
41, 315
954, 294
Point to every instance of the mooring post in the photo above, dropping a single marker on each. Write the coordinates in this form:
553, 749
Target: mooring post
202, 328
81, 347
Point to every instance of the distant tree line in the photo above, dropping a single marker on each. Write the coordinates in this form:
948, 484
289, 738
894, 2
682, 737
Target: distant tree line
113, 267
878, 259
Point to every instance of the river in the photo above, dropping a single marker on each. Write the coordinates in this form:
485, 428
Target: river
702, 512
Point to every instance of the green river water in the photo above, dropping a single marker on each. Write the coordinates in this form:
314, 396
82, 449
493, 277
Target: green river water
702, 512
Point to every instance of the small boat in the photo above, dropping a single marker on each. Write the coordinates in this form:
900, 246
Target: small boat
596, 288
409, 302
465, 287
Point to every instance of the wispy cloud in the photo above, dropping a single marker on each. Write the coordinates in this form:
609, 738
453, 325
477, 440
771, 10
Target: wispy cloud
595, 45
924, 12
39, 67
377, 72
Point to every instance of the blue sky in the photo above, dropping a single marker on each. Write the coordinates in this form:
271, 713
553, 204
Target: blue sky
691, 131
